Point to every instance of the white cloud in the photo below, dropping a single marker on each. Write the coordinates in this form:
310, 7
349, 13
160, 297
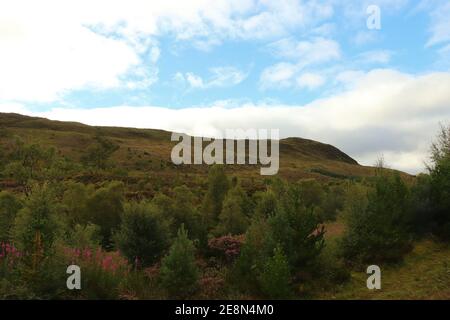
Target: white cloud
49, 47
307, 52
385, 112
310, 80
279, 75
440, 24
375, 56
302, 54
220, 77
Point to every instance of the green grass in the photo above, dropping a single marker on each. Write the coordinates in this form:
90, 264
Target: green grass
424, 274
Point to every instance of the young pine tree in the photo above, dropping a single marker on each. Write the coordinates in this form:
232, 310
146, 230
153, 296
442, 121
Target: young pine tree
218, 186
232, 219
377, 227
143, 235
179, 272
275, 278
9, 206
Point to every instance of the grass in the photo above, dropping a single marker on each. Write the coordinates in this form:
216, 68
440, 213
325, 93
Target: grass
423, 275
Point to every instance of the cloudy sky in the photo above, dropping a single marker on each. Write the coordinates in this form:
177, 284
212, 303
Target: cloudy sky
313, 69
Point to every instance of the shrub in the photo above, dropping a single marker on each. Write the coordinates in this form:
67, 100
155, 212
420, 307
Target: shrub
275, 278
105, 208
228, 247
102, 272
9, 206
179, 273
377, 227
232, 219
218, 186
143, 235
37, 224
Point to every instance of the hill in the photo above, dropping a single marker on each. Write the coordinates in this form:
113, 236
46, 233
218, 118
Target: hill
145, 153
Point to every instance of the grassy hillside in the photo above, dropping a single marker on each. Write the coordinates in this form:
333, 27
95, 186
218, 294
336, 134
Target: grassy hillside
144, 152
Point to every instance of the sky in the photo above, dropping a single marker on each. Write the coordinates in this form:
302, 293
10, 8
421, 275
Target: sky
369, 77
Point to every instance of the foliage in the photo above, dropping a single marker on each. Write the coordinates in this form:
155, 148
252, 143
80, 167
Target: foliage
275, 278
218, 186
179, 273
232, 219
105, 208
99, 153
228, 247
9, 206
377, 227
143, 235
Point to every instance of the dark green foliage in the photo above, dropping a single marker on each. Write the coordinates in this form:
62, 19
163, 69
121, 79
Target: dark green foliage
179, 272
377, 229
232, 219
29, 162
99, 153
297, 228
275, 278
185, 213
75, 200
37, 224
430, 202
9, 206
105, 208
143, 235
332, 203
218, 186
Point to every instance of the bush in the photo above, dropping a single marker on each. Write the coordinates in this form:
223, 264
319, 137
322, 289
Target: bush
105, 208
275, 278
179, 273
218, 186
143, 235
297, 228
9, 206
232, 219
377, 227
37, 224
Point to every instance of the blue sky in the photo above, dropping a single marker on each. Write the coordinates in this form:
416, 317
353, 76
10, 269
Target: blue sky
288, 60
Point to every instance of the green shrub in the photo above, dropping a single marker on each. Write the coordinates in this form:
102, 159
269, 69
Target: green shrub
143, 235
275, 278
232, 219
179, 273
105, 208
377, 227
9, 206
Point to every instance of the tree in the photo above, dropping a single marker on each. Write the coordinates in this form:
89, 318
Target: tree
105, 208
9, 206
185, 213
98, 154
232, 219
297, 228
257, 247
275, 278
143, 235
432, 192
218, 186
377, 227
37, 224
179, 273
29, 162
75, 200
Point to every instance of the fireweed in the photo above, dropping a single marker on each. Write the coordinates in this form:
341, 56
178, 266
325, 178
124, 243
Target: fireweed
9, 258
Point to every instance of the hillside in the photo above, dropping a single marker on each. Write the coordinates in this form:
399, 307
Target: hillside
146, 152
